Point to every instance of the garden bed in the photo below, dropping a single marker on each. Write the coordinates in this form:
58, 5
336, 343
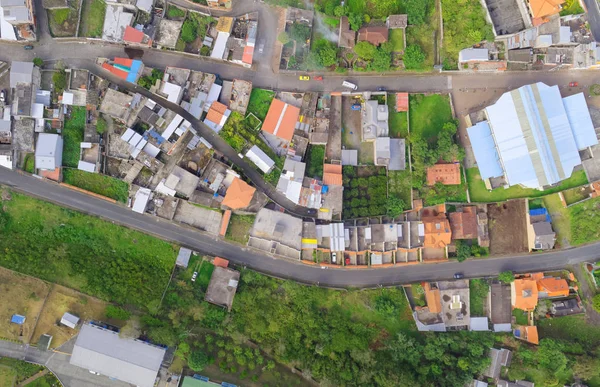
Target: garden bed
315, 157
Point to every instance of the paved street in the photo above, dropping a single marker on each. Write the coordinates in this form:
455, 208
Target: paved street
285, 268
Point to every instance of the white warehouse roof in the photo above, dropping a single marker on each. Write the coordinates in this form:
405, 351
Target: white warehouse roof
260, 159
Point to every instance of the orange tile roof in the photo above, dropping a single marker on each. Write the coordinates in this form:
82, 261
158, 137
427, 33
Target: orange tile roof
332, 174
216, 112
132, 35
555, 287
373, 34
464, 224
401, 102
118, 72
221, 262
437, 233
524, 294
239, 194
531, 334
248, 54
124, 61
432, 296
543, 8
536, 276
225, 222
281, 120
447, 174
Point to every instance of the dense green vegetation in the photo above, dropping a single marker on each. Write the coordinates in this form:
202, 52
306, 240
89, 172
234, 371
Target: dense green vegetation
478, 292
94, 182
400, 185
73, 136
195, 27
585, 223
148, 81
29, 163
59, 80
365, 191
260, 100
20, 369
464, 26
314, 161
175, 13
432, 139
479, 193
377, 58
571, 7
83, 252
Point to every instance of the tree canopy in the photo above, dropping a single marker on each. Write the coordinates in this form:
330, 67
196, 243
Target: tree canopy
414, 57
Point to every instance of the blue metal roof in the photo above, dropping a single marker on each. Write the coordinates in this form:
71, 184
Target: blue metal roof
136, 66
17, 319
485, 151
540, 211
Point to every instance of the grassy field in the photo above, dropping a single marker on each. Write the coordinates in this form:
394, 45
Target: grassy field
424, 36
239, 228
571, 7
398, 121
314, 161
396, 39
477, 295
94, 182
7, 376
428, 113
175, 13
47, 380
561, 223
204, 274
400, 185
83, 252
73, 136
92, 18
63, 300
520, 316
259, 103
577, 194
63, 22
22, 295
20, 369
585, 221
479, 193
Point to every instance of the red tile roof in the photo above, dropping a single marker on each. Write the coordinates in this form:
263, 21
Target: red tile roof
464, 224
132, 35
248, 54
332, 174
374, 35
124, 61
401, 102
447, 174
118, 72
281, 120
221, 262
239, 194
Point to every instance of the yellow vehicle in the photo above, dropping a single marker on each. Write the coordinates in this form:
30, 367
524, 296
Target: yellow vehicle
304, 78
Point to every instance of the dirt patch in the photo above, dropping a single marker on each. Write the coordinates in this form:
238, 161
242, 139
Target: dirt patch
22, 295
63, 300
508, 227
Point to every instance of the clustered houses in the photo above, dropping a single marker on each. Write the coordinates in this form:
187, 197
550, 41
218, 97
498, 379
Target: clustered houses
530, 34
17, 20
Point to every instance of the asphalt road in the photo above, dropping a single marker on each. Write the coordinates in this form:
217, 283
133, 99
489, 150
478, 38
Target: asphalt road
285, 268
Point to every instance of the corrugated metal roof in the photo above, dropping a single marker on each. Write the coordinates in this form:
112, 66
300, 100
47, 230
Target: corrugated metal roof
473, 54
260, 159
485, 151
129, 360
580, 120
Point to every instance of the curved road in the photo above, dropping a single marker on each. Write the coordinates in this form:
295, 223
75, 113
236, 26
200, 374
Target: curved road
285, 268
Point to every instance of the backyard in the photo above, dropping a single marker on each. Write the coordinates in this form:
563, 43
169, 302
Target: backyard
585, 221
520, 317
479, 193
400, 185
82, 252
396, 39
398, 121
92, 18
63, 22
478, 292
73, 136
260, 100
561, 223
95, 182
464, 26
424, 35
314, 161
365, 191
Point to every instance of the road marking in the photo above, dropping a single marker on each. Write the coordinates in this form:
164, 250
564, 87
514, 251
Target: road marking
449, 82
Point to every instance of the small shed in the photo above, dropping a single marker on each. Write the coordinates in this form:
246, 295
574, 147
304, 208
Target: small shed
183, 258
69, 320
17, 319
44, 342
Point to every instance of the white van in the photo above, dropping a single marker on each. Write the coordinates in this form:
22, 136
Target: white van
349, 85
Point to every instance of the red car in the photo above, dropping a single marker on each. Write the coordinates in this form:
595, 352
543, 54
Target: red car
318, 78
573, 84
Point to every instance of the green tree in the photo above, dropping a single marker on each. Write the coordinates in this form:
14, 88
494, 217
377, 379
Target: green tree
463, 251
60, 80
116, 313
355, 20
395, 206
189, 31
325, 52
182, 350
197, 360
414, 57
300, 32
506, 277
596, 302
39, 62
283, 37
365, 50
340, 11
417, 11
382, 61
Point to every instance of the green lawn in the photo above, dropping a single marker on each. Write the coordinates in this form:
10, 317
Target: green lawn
47, 380
520, 316
314, 161
260, 100
571, 7
239, 228
7, 376
400, 185
204, 274
83, 252
478, 292
479, 193
29, 163
398, 121
17, 368
175, 13
396, 39
101, 184
428, 113
92, 18
73, 136
575, 195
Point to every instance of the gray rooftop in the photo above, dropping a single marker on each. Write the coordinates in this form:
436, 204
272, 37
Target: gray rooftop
222, 287
129, 360
21, 72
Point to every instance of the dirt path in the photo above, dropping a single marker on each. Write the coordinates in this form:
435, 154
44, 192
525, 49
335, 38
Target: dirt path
34, 377
588, 292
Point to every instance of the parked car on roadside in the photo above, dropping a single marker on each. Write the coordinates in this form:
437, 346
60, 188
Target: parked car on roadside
459, 276
573, 84
28, 47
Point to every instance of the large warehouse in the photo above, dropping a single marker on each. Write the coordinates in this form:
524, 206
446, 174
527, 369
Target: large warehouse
532, 136
103, 351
